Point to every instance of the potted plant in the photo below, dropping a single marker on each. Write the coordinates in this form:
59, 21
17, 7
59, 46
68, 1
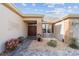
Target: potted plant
39, 37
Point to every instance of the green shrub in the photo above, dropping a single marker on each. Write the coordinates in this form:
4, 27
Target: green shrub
52, 43
73, 43
21, 38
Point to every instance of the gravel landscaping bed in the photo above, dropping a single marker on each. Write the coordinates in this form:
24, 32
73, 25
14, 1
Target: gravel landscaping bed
34, 48
47, 53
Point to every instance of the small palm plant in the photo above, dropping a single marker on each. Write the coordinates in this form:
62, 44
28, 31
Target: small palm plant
73, 43
52, 43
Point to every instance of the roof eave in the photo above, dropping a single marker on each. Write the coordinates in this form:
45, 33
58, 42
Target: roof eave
14, 9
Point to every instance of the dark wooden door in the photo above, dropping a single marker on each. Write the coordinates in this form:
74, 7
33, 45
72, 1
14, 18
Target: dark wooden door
31, 30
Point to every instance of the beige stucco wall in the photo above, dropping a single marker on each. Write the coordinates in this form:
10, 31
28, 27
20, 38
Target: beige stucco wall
68, 32
59, 30
71, 29
11, 26
39, 23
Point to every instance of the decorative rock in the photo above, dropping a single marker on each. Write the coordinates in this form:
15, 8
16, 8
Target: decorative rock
23, 51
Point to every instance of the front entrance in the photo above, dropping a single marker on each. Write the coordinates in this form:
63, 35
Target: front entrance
32, 29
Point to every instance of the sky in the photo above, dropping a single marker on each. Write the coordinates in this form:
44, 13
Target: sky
49, 9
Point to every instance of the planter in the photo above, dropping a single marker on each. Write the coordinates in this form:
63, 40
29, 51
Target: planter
39, 37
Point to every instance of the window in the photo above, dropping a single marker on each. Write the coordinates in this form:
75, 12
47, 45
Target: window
47, 28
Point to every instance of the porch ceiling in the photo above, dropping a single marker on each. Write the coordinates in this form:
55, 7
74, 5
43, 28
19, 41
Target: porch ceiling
31, 21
